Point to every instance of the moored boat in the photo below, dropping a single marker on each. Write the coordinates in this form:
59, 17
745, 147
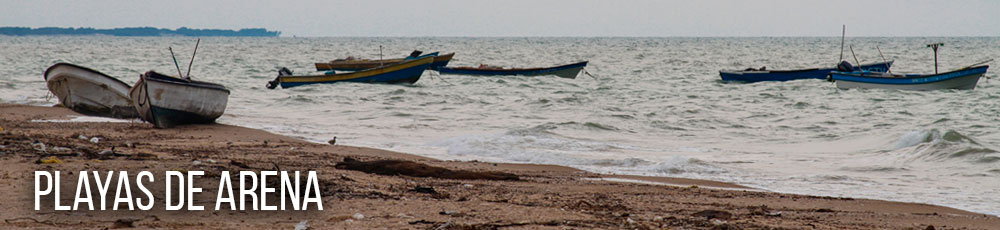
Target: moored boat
965, 78
89, 92
362, 64
408, 71
757, 75
563, 71
167, 101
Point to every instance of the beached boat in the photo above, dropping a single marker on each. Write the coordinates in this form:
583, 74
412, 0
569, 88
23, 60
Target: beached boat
89, 92
564, 71
756, 75
408, 71
965, 78
362, 64
168, 101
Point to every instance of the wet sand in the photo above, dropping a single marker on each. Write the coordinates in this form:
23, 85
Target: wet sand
541, 197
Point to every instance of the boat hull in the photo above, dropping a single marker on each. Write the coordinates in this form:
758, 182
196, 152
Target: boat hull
358, 65
563, 71
89, 92
404, 72
960, 79
788, 75
167, 102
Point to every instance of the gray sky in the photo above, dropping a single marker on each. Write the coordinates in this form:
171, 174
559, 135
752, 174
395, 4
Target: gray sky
525, 17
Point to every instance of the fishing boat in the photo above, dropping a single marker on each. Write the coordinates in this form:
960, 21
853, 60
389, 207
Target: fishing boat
408, 71
758, 75
89, 92
563, 71
965, 78
168, 101
362, 64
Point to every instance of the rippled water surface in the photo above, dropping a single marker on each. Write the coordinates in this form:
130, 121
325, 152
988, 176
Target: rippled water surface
655, 106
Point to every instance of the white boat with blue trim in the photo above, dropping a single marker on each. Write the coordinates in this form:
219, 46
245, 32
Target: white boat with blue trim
965, 78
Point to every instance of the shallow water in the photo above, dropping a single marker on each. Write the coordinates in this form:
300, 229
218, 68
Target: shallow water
655, 107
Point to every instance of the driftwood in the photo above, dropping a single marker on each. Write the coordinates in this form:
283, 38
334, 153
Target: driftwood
410, 168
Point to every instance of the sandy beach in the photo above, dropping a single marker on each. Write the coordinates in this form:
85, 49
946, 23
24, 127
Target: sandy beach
505, 196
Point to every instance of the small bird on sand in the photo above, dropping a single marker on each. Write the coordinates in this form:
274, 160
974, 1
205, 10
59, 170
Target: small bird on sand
333, 141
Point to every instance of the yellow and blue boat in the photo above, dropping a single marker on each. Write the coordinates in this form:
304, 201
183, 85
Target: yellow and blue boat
404, 72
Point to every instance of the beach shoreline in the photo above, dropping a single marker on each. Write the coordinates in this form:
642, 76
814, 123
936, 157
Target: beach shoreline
544, 196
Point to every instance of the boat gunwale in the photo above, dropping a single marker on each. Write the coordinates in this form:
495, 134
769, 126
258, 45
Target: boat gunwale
46, 74
158, 77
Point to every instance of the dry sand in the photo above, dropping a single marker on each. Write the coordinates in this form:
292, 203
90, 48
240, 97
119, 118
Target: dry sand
543, 197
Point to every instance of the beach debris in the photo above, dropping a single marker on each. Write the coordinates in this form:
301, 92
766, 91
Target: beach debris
238, 164
82, 137
108, 152
61, 149
824, 210
303, 225
452, 213
95, 140
196, 162
358, 216
124, 223
773, 213
713, 214
38, 146
410, 168
930, 227
721, 224
333, 141
422, 189
50, 160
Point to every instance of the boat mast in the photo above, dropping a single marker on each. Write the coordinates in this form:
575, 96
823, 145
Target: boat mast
842, 34
883, 59
188, 75
179, 74
934, 47
855, 57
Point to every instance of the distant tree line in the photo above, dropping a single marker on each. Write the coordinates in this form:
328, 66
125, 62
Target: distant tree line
138, 31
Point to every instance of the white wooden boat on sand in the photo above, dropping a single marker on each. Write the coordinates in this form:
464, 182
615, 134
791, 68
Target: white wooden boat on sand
168, 101
89, 92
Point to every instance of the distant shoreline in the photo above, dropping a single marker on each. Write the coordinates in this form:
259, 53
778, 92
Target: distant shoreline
137, 31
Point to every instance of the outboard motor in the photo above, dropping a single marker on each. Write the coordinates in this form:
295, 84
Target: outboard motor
284, 72
845, 66
416, 53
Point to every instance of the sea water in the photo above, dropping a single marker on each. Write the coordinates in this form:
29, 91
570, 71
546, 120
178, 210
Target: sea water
653, 106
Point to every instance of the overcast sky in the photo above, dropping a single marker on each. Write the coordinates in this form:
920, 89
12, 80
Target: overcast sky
525, 17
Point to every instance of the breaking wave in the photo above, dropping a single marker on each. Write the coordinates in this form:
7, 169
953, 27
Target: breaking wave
937, 145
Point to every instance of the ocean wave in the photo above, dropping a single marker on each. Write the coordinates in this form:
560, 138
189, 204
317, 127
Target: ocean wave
934, 144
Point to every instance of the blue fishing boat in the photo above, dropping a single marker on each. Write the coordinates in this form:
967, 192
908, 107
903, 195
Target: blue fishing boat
408, 71
757, 75
965, 78
563, 71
